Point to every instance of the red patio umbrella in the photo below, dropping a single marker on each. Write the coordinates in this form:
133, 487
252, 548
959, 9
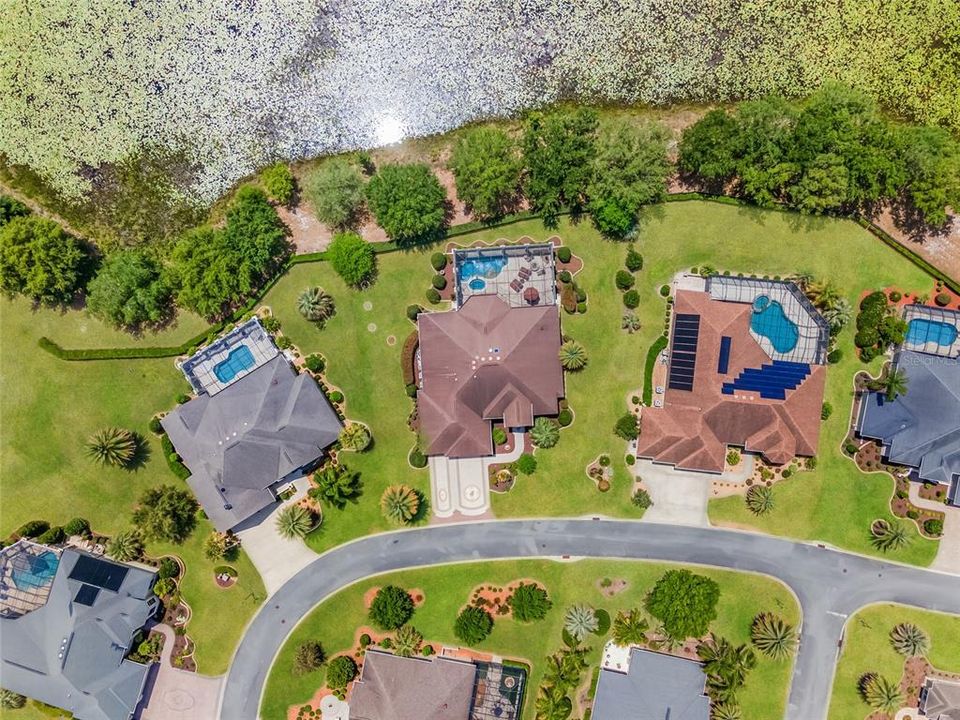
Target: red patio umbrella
531, 295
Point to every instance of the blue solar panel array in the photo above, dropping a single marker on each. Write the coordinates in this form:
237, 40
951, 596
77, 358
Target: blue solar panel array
771, 380
683, 351
724, 362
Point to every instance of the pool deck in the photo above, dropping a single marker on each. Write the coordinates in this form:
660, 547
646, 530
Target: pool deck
937, 315
200, 369
527, 267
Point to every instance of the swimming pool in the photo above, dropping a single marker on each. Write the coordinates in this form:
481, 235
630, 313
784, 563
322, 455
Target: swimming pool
39, 572
770, 321
921, 331
477, 284
239, 359
482, 267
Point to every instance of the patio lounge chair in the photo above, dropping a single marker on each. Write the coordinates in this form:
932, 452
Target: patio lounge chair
516, 286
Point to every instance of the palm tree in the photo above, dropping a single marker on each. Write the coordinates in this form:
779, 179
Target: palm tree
580, 621
315, 304
400, 503
909, 640
823, 294
355, 436
887, 535
545, 432
294, 522
838, 314
773, 636
802, 278
725, 665
407, 641
630, 322
630, 628
572, 356
892, 384
552, 704
112, 446
335, 484
760, 499
9, 700
726, 711
125, 546
881, 694
560, 672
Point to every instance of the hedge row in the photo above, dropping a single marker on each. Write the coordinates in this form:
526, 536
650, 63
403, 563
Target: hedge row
658, 346
407, 356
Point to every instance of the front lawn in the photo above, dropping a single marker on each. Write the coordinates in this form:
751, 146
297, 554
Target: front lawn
867, 648
446, 589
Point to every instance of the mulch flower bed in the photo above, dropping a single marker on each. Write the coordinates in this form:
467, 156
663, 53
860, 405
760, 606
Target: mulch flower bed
500, 477
182, 656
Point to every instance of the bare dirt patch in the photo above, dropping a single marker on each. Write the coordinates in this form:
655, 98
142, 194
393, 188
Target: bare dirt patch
609, 587
940, 246
307, 234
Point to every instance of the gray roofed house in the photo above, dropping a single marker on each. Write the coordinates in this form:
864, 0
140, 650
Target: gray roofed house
66, 625
921, 428
655, 687
940, 699
252, 435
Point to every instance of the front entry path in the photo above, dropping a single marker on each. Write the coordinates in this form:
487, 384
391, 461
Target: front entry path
948, 556
174, 694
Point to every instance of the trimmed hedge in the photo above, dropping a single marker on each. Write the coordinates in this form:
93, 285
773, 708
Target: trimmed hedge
407, 355
658, 346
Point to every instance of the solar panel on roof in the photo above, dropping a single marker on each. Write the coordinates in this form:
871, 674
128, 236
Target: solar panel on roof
86, 595
683, 351
724, 362
100, 573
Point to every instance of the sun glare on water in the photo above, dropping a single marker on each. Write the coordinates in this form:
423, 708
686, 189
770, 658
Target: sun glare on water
389, 130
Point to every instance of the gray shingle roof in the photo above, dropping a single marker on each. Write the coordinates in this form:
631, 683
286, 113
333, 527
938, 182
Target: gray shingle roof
91, 679
940, 699
656, 687
249, 436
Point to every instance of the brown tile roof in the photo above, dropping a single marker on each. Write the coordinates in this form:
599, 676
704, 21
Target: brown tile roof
483, 362
694, 427
396, 688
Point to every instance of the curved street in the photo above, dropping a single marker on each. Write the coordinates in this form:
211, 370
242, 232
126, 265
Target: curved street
829, 584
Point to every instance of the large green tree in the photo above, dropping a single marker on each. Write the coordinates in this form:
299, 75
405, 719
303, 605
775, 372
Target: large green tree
685, 603
707, 147
11, 208
352, 258
335, 189
129, 290
391, 608
40, 260
166, 513
256, 232
931, 159
408, 202
486, 166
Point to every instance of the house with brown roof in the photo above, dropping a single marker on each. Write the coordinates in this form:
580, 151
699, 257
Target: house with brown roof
746, 368
485, 362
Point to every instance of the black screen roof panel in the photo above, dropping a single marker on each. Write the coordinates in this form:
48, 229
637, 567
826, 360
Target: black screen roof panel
99, 573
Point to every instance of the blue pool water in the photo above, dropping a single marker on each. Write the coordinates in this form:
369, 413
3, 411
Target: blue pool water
770, 321
484, 267
477, 284
239, 359
38, 573
921, 331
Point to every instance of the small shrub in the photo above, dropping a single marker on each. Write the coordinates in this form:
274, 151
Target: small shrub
270, 323
426, 650
564, 254
733, 458
341, 671
413, 311
626, 427
308, 657
895, 296
664, 291
52, 536
499, 436
630, 460
581, 294
155, 427
826, 410
526, 464
568, 299
913, 514
315, 363
604, 461
411, 389
417, 458
634, 260
183, 398
565, 417
942, 299
433, 297
603, 485
77, 526
624, 280
439, 261
631, 299
641, 499
581, 308
851, 448
473, 625
787, 472
564, 276
168, 568
32, 529
365, 640
336, 397
835, 356
278, 182
439, 282
933, 526
284, 343
811, 463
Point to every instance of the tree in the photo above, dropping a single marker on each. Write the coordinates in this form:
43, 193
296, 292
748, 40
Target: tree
11, 208
773, 636
130, 290
822, 185
892, 384
630, 170
9, 700
166, 513
630, 322
889, 535
39, 260
630, 628
391, 608
294, 522
880, 693
726, 666
685, 603
545, 432
472, 625
408, 202
487, 170
726, 711
335, 485
316, 304
552, 703
309, 656
558, 149
278, 181
407, 641
909, 640
707, 147
341, 670
352, 258
838, 315
580, 621
931, 159
113, 446
256, 233
529, 602
572, 356
355, 436
125, 546
400, 504
563, 669
219, 545
626, 427
624, 280
760, 500
336, 191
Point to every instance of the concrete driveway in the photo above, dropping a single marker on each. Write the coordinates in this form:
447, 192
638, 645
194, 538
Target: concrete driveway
948, 556
174, 694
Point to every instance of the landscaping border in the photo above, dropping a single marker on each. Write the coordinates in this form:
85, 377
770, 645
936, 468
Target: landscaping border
659, 345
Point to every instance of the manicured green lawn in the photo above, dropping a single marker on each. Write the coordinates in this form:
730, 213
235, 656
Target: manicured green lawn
867, 649
446, 589
50, 407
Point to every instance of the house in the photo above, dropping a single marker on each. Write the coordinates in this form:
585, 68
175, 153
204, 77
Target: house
940, 699
67, 622
653, 687
920, 429
485, 362
747, 367
255, 428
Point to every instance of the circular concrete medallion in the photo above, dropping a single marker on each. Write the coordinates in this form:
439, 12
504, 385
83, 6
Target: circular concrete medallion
372, 327
391, 340
472, 493
178, 700
368, 306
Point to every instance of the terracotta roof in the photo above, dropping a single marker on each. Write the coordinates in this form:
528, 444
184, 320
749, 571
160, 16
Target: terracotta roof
483, 362
694, 427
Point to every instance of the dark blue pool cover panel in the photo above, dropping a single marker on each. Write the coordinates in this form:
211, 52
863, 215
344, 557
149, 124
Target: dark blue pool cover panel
683, 351
771, 380
724, 362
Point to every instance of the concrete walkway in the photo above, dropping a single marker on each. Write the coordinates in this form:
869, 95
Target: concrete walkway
276, 558
948, 556
174, 694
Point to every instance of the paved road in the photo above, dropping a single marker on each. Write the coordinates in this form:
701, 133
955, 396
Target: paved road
830, 585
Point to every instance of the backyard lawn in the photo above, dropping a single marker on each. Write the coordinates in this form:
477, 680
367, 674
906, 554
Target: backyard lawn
867, 649
446, 589
50, 407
